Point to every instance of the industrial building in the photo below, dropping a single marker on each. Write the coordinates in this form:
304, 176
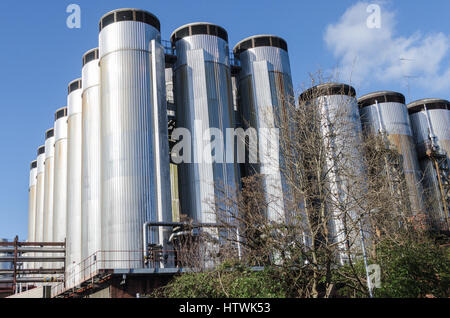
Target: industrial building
107, 201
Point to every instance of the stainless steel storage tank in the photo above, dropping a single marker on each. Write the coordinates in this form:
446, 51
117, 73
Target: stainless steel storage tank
204, 102
385, 112
60, 179
40, 195
74, 159
48, 184
32, 201
430, 120
60, 175
265, 88
91, 161
340, 127
135, 149
32, 206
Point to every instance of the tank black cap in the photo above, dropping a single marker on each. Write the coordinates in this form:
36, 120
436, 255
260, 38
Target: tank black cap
326, 90
41, 150
49, 133
74, 85
381, 97
62, 112
430, 103
90, 55
33, 165
196, 29
258, 41
129, 15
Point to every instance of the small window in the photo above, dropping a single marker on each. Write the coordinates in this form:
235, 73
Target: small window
221, 33
149, 19
199, 29
265, 41
283, 45
140, 16
182, 33
49, 134
212, 30
109, 19
124, 16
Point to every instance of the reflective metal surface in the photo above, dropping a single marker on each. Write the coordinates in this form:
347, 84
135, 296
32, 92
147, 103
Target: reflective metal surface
91, 161
40, 195
265, 87
392, 119
431, 133
135, 151
74, 159
204, 101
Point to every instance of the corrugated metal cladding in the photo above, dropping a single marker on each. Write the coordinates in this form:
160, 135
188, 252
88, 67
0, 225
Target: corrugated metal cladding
203, 93
434, 122
393, 119
91, 160
40, 195
265, 87
74, 159
135, 169
32, 201
32, 205
60, 183
48, 187
343, 154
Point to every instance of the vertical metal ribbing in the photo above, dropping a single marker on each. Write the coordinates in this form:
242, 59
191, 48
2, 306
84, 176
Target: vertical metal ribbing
60, 180
91, 167
49, 189
430, 128
74, 159
32, 205
40, 195
204, 102
129, 193
392, 119
265, 86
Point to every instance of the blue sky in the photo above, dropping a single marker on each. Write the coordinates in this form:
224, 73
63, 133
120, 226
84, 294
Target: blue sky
39, 56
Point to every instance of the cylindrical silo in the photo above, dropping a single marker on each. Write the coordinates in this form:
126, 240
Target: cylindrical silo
339, 123
385, 113
32, 205
48, 184
135, 148
74, 159
430, 119
40, 195
91, 160
60, 176
60, 179
204, 102
32, 201
265, 89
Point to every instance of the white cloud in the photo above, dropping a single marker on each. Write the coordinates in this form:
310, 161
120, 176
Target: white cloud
374, 55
